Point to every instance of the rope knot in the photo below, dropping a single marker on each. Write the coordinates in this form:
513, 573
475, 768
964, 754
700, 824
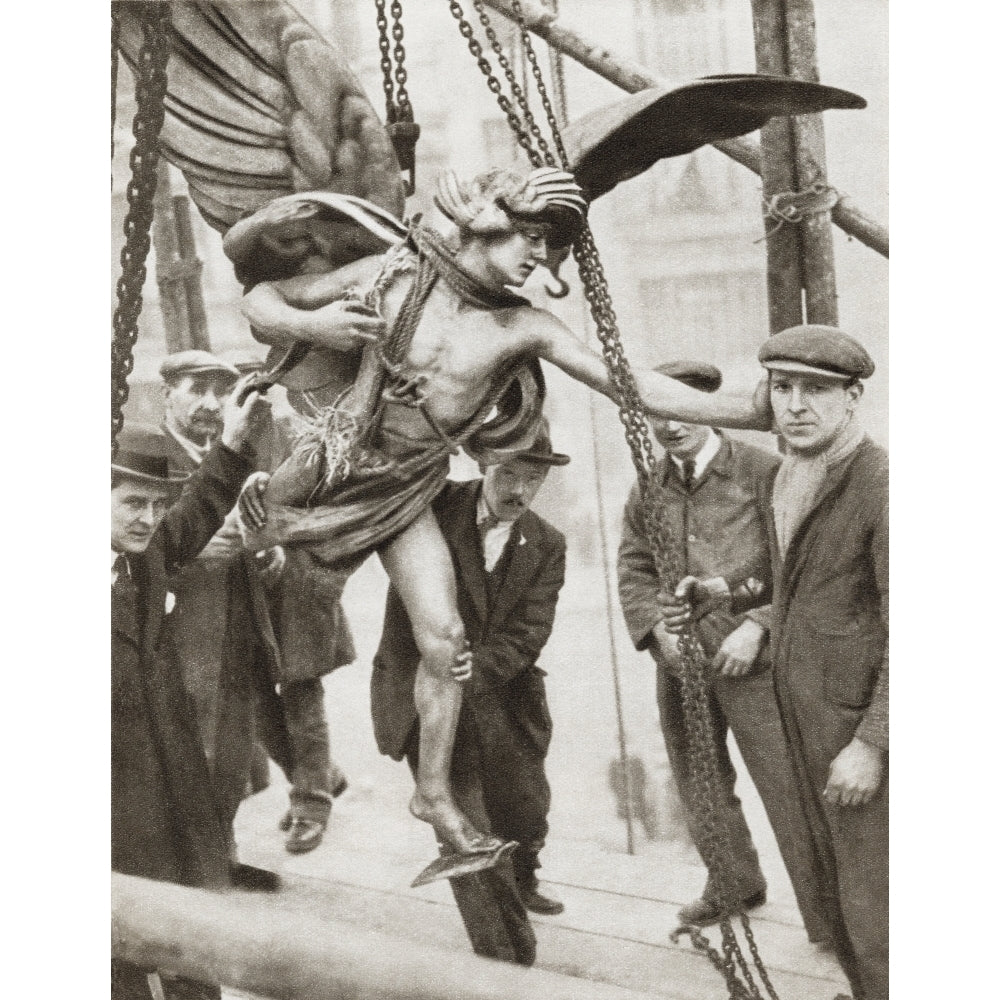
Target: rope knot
793, 206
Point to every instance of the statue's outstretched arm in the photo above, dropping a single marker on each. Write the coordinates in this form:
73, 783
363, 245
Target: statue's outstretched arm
662, 395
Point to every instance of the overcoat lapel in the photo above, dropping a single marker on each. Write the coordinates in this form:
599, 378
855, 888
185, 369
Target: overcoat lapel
153, 584
466, 544
523, 563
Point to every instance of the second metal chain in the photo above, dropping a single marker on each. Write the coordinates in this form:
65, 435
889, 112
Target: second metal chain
150, 89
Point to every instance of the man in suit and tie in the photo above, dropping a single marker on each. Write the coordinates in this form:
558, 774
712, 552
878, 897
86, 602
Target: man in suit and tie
509, 566
164, 819
826, 509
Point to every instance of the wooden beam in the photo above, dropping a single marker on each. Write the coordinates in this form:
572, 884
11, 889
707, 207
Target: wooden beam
632, 77
188, 255
777, 143
809, 150
248, 942
173, 301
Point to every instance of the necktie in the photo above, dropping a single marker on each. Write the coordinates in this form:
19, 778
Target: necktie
121, 568
487, 524
687, 467
124, 604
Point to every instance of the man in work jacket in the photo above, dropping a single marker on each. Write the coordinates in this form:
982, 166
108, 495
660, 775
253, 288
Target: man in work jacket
828, 528
510, 566
711, 482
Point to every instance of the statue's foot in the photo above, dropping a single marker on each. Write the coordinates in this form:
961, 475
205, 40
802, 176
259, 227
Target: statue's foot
452, 828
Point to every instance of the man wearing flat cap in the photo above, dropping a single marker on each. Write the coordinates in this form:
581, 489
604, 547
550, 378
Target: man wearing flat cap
222, 642
509, 566
164, 821
828, 583
710, 504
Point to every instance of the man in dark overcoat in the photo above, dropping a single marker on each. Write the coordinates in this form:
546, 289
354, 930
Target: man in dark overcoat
510, 566
711, 483
164, 818
828, 575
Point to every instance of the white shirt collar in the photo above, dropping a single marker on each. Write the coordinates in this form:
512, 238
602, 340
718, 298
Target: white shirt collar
706, 453
496, 538
197, 452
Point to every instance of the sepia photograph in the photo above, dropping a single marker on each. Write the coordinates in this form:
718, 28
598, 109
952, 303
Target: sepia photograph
499, 499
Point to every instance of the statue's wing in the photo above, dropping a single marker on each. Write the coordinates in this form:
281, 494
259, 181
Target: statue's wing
622, 140
258, 105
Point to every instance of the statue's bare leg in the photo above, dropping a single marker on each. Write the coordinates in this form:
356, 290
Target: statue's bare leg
419, 565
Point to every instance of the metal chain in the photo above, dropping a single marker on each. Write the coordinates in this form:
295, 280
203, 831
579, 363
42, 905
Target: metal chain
397, 98
540, 83
493, 83
403, 106
150, 89
382, 23
631, 412
557, 72
515, 88
114, 91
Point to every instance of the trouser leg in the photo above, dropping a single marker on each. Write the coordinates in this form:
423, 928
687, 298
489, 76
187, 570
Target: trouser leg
751, 710
182, 988
747, 875
129, 982
494, 916
517, 797
861, 847
315, 776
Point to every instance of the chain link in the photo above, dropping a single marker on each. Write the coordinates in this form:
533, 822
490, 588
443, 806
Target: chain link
705, 768
150, 89
114, 91
397, 98
382, 23
404, 108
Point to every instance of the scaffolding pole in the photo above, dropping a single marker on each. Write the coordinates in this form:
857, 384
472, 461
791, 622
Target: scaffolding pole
632, 77
254, 945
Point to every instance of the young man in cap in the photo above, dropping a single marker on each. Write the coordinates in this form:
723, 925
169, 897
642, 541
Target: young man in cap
447, 345
164, 821
711, 482
509, 568
828, 582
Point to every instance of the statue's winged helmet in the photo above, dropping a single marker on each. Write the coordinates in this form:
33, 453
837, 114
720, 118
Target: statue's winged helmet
499, 200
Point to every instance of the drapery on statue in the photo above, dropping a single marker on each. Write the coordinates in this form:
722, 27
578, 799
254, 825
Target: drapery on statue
401, 358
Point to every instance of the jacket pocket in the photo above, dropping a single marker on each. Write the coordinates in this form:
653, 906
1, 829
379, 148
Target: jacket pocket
851, 662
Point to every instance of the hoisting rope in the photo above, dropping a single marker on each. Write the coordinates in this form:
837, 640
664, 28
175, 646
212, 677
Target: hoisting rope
695, 669
150, 89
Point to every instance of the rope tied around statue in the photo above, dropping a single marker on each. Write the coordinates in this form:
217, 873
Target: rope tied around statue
341, 438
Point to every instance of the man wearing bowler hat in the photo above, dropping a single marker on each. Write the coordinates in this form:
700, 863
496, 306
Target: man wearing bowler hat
828, 582
509, 567
164, 820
